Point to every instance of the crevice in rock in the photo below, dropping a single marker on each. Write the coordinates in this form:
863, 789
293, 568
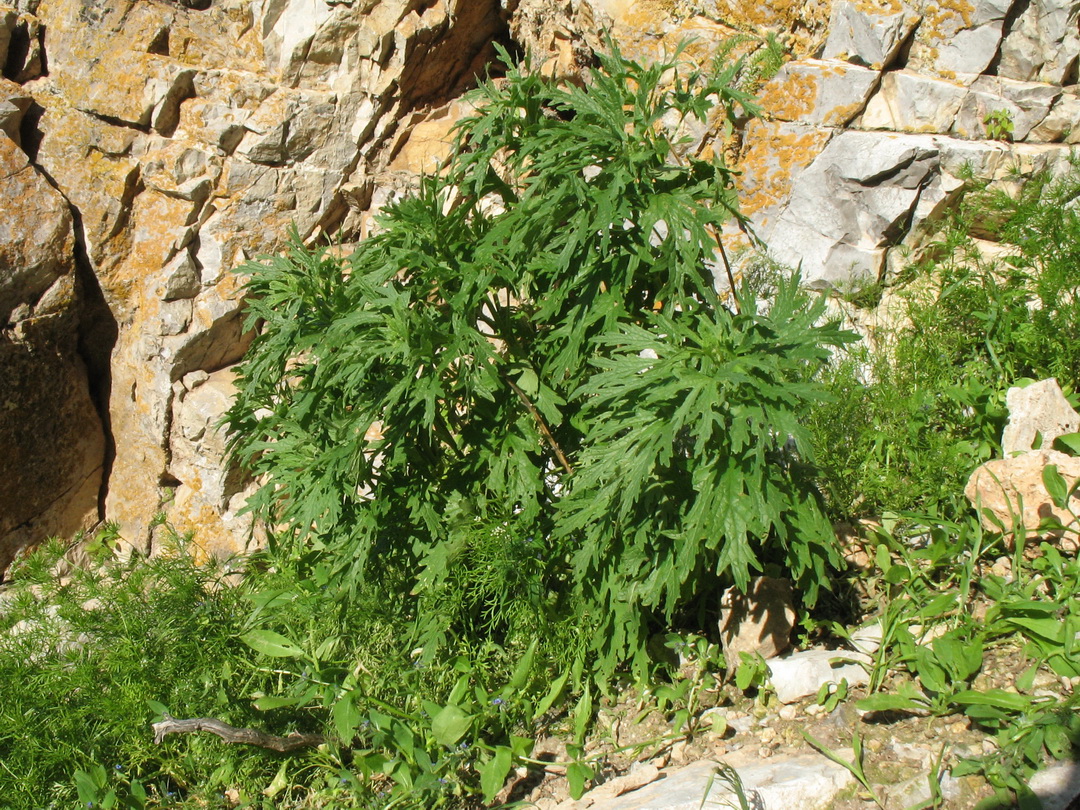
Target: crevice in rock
112, 120
30, 134
159, 45
1014, 13
167, 116
97, 335
1072, 73
439, 71
26, 52
900, 58
98, 332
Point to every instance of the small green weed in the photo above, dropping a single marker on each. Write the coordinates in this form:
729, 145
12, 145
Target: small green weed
999, 125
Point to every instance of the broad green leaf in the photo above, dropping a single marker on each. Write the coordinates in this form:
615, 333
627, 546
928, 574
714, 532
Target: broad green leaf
493, 773
450, 725
270, 643
885, 702
523, 668
269, 702
577, 775
278, 783
346, 716
996, 698
1068, 443
553, 694
582, 715
1055, 485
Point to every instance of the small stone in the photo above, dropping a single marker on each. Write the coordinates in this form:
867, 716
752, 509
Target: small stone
789, 712
759, 621
1057, 785
802, 674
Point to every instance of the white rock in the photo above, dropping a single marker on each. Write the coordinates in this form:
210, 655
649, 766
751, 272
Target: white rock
867, 36
1040, 409
1026, 104
913, 102
1042, 43
959, 38
802, 674
1061, 124
1057, 785
850, 204
802, 782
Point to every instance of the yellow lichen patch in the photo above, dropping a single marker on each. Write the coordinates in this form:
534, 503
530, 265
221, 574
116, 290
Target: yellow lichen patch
946, 18
772, 155
805, 21
882, 7
792, 97
840, 116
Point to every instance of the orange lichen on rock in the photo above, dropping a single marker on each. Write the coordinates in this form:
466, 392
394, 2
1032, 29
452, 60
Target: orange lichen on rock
772, 155
791, 99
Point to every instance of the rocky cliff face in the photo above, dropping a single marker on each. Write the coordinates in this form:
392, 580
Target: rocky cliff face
148, 147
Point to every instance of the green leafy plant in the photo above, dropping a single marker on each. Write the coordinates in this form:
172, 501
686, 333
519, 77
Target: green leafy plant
999, 125
82, 660
913, 415
533, 350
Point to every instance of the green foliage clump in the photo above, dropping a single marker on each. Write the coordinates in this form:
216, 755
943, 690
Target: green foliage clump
86, 659
908, 424
537, 346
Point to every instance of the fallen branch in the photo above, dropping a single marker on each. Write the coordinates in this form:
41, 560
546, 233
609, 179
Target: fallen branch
231, 734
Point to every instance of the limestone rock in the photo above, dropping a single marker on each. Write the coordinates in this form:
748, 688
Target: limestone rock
759, 621
913, 102
209, 494
1061, 124
1041, 410
1043, 42
774, 155
799, 782
850, 204
869, 34
959, 38
1001, 485
190, 137
802, 674
1026, 103
818, 92
8, 16
1057, 786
